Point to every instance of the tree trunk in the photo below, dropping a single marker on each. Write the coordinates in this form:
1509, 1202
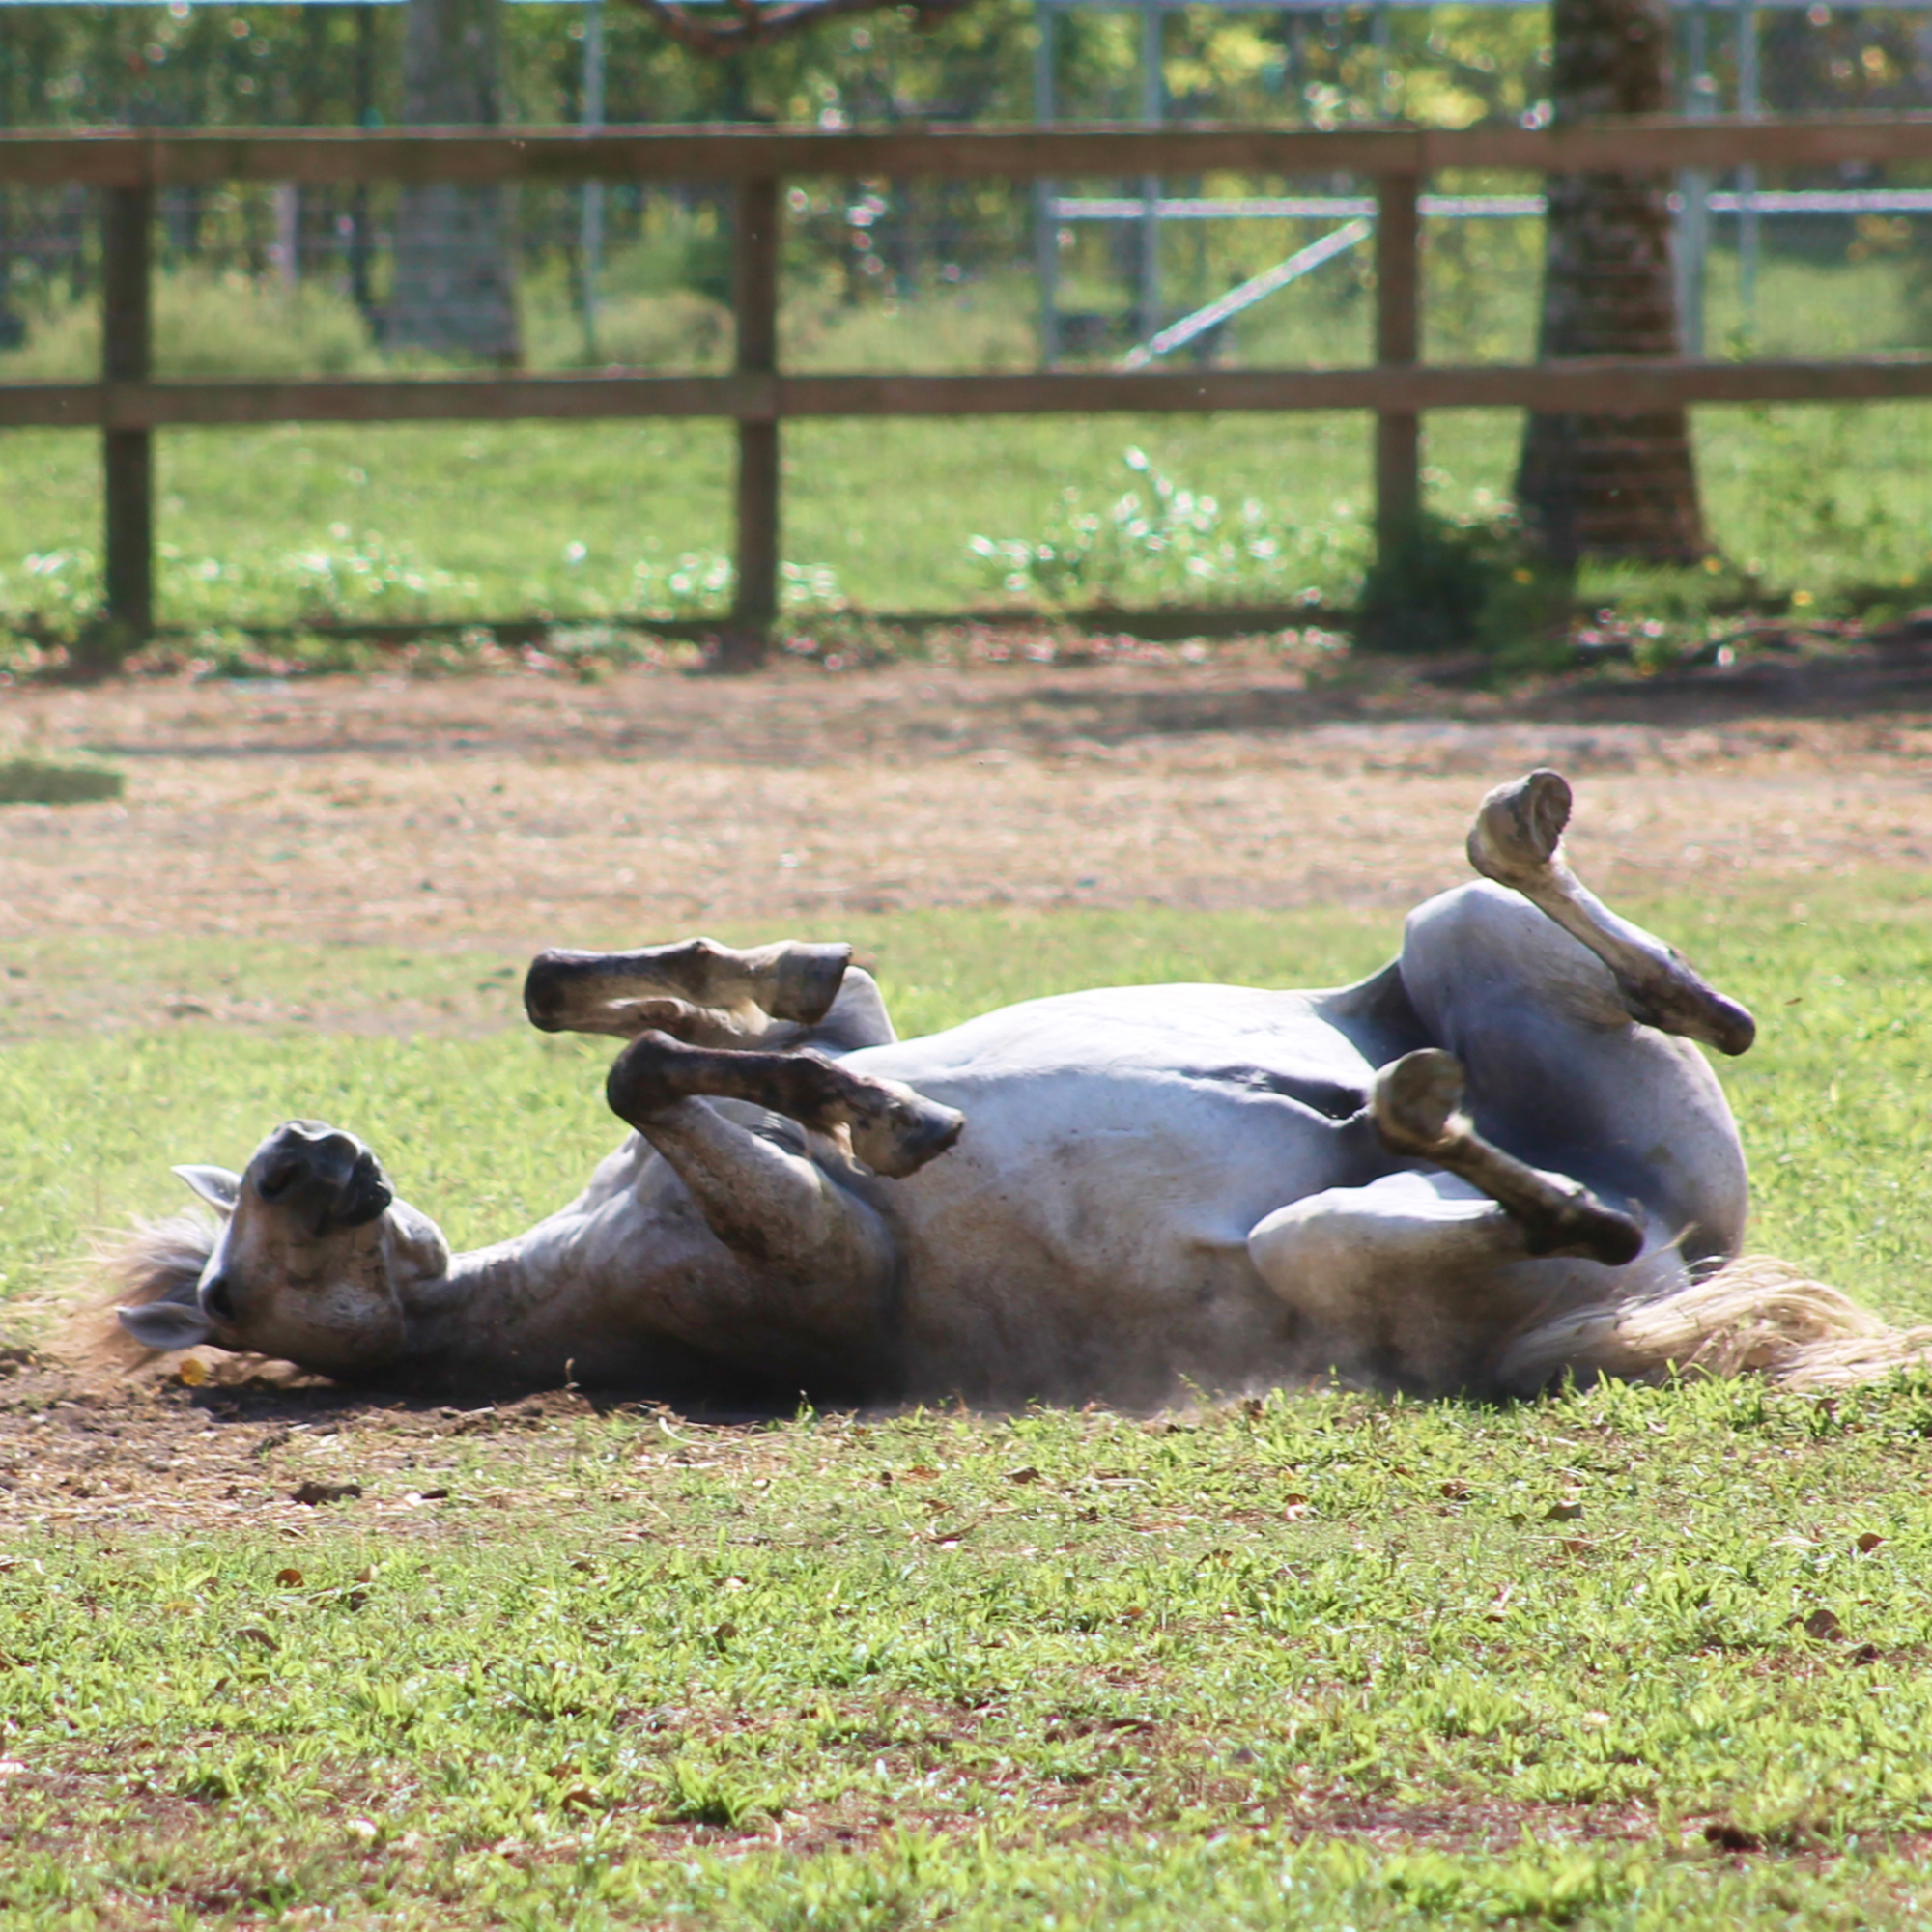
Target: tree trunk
455, 287
1599, 485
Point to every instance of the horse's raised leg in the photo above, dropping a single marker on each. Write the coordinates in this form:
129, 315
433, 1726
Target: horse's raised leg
894, 1130
1420, 1282
1555, 1076
710, 994
1417, 1107
1517, 841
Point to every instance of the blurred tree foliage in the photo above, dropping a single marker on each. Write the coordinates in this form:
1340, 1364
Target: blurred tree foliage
224, 66
1446, 66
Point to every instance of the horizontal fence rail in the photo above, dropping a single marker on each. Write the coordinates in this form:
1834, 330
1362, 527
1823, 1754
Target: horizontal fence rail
127, 405
682, 153
1612, 386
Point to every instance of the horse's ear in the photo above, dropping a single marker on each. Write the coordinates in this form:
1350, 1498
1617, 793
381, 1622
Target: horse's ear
216, 1185
166, 1325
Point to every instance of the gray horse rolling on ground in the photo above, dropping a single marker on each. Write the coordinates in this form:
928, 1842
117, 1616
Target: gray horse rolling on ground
1498, 1161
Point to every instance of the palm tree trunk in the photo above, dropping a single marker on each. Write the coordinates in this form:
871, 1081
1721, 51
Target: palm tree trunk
1601, 485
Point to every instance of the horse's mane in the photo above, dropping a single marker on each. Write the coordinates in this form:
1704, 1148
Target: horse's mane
154, 1261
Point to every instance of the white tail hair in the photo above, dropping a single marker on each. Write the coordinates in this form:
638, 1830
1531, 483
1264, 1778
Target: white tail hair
1751, 1317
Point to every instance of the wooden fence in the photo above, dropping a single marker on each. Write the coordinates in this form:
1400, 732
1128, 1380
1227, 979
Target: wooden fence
127, 405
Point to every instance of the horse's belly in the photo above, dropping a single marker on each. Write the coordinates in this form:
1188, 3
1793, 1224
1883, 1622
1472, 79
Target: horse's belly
1088, 1229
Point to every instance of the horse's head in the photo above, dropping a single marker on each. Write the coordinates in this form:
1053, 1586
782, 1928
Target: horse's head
310, 1265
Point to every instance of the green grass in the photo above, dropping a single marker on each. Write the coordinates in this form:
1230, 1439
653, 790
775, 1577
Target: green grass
409, 521
1328, 1661
1054, 1670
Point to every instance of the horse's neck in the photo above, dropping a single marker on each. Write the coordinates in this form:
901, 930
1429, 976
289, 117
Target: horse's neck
483, 1298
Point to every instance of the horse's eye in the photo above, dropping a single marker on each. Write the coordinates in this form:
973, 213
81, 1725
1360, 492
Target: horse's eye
278, 1181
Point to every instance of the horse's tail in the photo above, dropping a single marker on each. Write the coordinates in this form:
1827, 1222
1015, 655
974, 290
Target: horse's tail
1751, 1317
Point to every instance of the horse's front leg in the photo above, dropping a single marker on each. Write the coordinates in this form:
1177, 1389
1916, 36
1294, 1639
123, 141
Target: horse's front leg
751, 1252
894, 1130
780, 995
762, 1144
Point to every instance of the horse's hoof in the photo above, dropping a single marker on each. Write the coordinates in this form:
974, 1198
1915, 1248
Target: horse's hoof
905, 1135
1519, 827
1415, 1099
806, 981
1683, 1002
1585, 1226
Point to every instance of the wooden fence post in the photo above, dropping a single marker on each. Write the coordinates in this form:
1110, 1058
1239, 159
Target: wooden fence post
755, 262
127, 230
1398, 336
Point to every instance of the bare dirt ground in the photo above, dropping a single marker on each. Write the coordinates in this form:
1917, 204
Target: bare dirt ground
520, 811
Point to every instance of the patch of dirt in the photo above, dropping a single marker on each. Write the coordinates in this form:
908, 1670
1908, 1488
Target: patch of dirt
147, 1451
518, 812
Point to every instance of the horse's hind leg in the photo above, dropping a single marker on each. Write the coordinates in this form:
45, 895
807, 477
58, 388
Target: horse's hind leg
1558, 1074
1418, 1282
1517, 841
709, 994
1417, 1108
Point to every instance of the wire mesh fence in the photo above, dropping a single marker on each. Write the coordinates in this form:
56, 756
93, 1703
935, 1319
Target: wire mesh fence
883, 274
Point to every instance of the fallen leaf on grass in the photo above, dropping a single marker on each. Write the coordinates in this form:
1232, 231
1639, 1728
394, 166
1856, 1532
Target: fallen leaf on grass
1866, 1653
1027, 1475
1293, 1507
191, 1373
1455, 1492
289, 1579
1870, 1542
1562, 1513
1823, 1625
255, 1634
1576, 1546
315, 1494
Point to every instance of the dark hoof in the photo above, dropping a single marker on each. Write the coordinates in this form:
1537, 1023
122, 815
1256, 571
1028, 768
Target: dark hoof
912, 1131
1415, 1099
807, 982
635, 1087
1585, 1226
547, 988
1688, 1007
1520, 826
